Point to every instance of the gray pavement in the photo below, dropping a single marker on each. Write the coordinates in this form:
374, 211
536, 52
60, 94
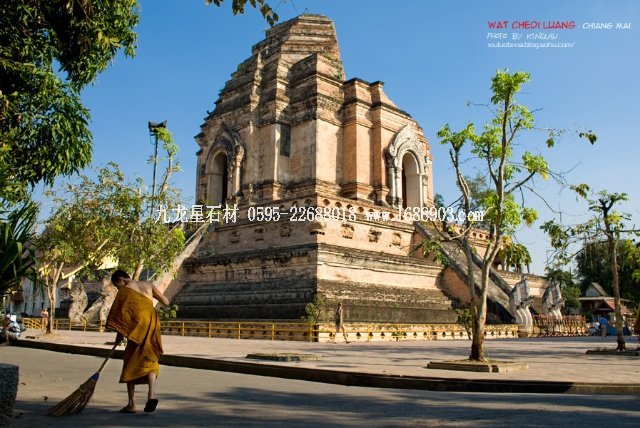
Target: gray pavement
550, 359
190, 397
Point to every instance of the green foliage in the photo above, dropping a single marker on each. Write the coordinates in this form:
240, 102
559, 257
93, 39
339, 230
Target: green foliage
316, 311
564, 237
438, 200
87, 216
465, 319
478, 190
504, 86
594, 266
456, 139
17, 255
514, 254
503, 213
166, 137
110, 217
431, 248
166, 313
581, 189
238, 8
605, 225
49, 51
590, 135
494, 147
506, 176
536, 164
529, 215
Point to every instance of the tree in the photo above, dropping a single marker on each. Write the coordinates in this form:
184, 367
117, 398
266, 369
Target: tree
43, 123
464, 319
514, 255
316, 311
438, 201
147, 243
507, 177
478, 191
168, 313
606, 224
110, 217
69, 239
593, 265
17, 255
49, 51
238, 8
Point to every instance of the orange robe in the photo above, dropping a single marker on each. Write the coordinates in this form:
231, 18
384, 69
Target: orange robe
133, 316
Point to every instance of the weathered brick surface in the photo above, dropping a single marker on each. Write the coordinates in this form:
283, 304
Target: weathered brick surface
348, 147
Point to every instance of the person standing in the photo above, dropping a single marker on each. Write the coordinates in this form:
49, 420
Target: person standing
44, 319
595, 325
339, 319
133, 316
603, 327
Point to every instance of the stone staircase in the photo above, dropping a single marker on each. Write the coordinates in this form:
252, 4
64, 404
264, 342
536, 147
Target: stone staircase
255, 300
498, 294
169, 282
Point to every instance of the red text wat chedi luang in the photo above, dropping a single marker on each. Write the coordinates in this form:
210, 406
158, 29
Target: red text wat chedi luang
290, 137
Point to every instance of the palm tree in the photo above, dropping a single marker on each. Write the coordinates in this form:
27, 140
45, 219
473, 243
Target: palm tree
17, 256
514, 254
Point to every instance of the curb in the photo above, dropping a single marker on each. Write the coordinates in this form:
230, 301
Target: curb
371, 380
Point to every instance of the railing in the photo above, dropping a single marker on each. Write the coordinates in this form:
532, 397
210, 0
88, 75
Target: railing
407, 332
297, 331
568, 325
242, 330
62, 324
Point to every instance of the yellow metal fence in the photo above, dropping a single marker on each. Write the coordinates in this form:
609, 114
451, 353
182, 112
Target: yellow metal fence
297, 331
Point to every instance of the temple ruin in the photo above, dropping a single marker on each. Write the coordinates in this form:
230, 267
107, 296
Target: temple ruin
305, 154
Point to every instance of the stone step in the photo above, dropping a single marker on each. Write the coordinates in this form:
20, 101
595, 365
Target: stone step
498, 293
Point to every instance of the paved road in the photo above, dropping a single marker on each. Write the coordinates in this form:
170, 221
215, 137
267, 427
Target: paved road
190, 397
549, 359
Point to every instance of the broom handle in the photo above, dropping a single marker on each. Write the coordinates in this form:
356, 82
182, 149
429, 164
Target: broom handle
104, 363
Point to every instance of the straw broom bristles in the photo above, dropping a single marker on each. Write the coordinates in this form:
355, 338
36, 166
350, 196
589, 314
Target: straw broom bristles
79, 398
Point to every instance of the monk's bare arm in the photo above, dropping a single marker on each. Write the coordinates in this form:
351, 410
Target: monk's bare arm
159, 296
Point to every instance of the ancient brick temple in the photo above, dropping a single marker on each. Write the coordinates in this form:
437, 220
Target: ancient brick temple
291, 138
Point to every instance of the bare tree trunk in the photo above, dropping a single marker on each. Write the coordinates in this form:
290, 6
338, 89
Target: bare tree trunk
478, 310
477, 346
477, 340
138, 271
52, 302
605, 206
51, 290
615, 284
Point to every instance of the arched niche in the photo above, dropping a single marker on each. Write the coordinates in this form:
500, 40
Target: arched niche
406, 170
223, 167
411, 181
218, 179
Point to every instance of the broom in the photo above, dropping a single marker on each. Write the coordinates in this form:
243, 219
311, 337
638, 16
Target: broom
79, 398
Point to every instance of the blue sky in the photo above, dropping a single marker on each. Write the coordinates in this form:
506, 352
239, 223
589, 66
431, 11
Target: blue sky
433, 57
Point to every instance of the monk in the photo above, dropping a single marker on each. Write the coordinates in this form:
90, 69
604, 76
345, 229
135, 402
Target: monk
133, 316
